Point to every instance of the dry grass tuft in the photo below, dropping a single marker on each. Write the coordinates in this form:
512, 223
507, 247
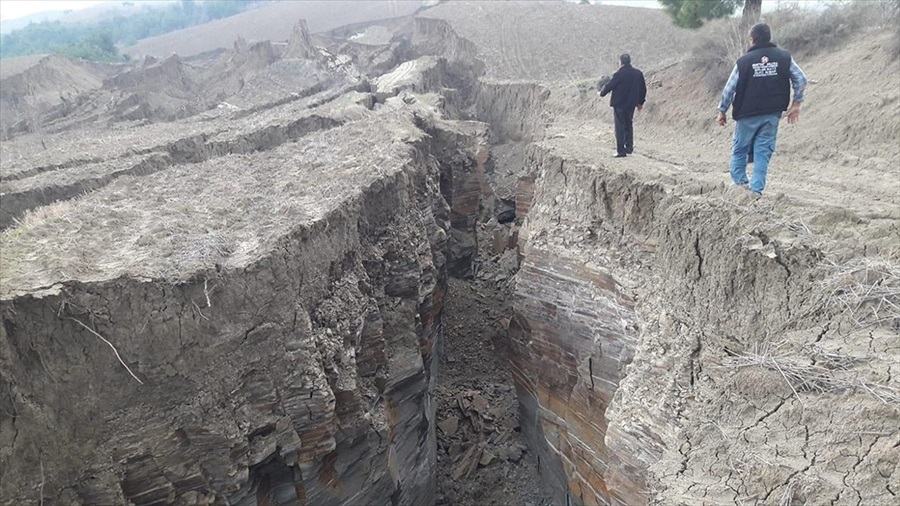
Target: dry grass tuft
801, 231
797, 483
805, 31
812, 370
724, 43
868, 289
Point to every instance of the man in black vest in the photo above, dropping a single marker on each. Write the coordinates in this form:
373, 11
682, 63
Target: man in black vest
628, 91
760, 89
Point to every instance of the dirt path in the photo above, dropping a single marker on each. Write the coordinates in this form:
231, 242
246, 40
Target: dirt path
850, 205
482, 457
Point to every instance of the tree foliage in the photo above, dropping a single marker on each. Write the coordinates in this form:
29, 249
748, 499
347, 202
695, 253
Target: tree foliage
98, 41
692, 13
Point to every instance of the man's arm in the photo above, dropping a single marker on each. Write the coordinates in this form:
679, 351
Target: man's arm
642, 91
798, 81
728, 95
611, 85
643, 96
729, 91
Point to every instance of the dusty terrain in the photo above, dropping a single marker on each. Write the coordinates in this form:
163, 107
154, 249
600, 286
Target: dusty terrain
251, 302
562, 42
271, 22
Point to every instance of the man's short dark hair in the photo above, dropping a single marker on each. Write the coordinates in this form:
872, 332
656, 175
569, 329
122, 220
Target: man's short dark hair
625, 59
761, 33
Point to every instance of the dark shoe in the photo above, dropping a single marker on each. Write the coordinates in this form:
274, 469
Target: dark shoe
629, 151
619, 155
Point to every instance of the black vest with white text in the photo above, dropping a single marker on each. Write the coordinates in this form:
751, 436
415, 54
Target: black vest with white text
764, 82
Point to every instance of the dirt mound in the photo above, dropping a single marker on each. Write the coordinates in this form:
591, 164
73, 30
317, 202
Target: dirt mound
230, 73
300, 45
157, 90
255, 74
247, 76
19, 64
556, 41
169, 73
32, 85
47, 75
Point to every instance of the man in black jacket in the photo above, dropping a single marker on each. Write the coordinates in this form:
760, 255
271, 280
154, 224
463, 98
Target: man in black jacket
760, 90
629, 90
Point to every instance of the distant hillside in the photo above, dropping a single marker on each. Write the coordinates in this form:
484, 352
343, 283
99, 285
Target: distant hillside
271, 22
19, 23
91, 14
555, 41
98, 32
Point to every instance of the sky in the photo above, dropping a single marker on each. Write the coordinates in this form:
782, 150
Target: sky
12, 9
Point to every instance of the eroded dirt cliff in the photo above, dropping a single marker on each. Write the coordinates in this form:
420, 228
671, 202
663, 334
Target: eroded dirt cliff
243, 326
247, 308
700, 329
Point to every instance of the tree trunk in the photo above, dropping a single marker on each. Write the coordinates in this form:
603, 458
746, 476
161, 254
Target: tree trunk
751, 13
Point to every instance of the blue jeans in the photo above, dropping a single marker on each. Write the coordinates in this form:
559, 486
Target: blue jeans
761, 132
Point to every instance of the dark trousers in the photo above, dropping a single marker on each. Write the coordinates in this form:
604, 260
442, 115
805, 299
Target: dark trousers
624, 133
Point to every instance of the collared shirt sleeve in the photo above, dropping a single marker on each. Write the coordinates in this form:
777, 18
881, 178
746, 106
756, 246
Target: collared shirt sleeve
798, 80
611, 85
729, 91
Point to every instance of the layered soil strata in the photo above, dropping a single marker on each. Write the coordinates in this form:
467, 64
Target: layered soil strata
269, 334
670, 347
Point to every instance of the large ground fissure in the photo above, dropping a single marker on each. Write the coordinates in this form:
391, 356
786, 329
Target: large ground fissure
394, 303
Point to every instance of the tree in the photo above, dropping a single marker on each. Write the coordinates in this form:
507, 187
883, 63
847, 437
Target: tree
752, 10
692, 13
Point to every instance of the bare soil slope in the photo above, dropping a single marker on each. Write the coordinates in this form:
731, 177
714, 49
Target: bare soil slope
273, 22
31, 85
557, 41
249, 76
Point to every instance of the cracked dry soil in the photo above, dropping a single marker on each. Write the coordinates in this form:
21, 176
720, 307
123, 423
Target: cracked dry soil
482, 456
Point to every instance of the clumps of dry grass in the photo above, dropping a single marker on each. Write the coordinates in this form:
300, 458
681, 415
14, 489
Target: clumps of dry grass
716, 53
867, 289
801, 231
802, 30
191, 219
805, 31
192, 253
796, 484
812, 369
